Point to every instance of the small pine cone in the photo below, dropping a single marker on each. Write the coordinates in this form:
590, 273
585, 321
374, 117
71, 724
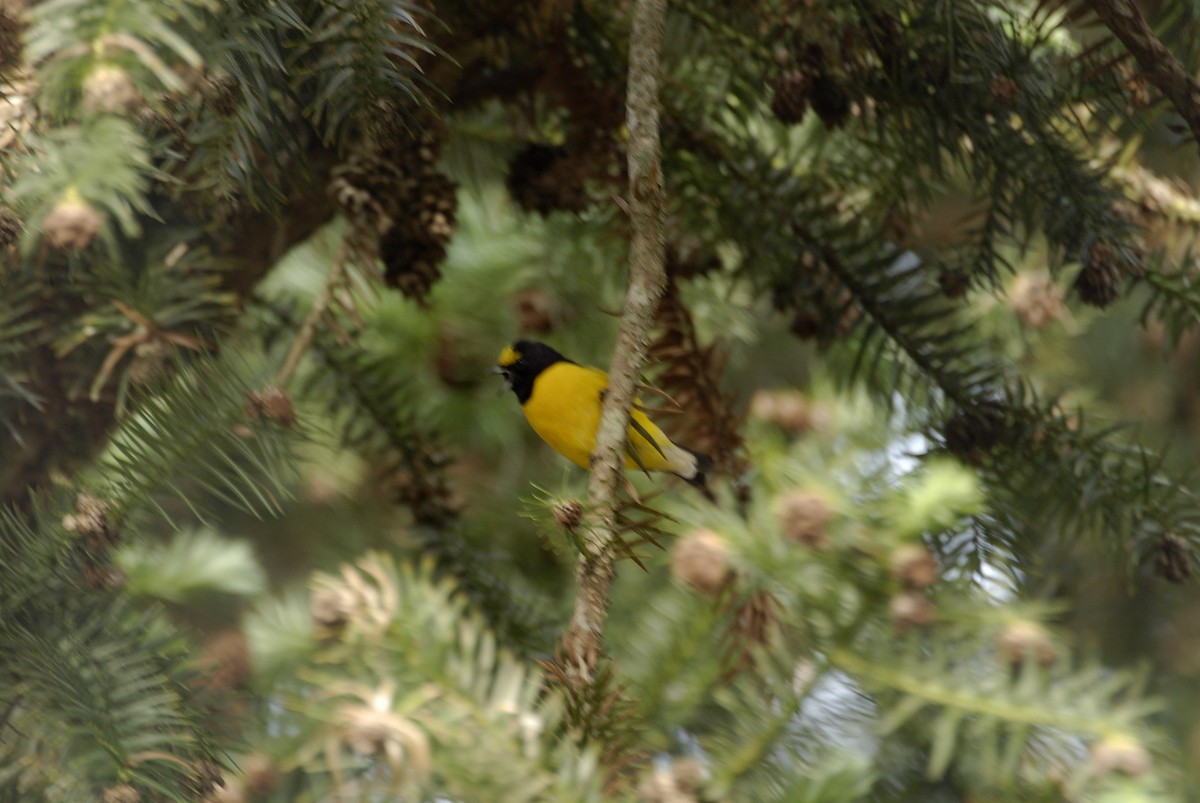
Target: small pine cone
1036, 300
11, 31
830, 101
223, 93
1119, 753
103, 577
541, 179
1004, 90
953, 283
10, 227
1172, 560
121, 793
73, 223
226, 660
1099, 280
205, 778
109, 89
789, 100
271, 403
412, 267
700, 561
1023, 640
914, 566
971, 433
788, 410
568, 514
803, 517
90, 521
807, 321
910, 609
331, 609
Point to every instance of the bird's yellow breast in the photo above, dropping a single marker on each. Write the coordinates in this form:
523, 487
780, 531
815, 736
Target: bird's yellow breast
564, 409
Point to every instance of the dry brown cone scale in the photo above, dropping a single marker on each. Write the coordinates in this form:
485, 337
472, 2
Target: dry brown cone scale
689, 375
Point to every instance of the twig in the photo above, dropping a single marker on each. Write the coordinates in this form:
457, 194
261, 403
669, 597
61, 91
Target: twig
1159, 64
309, 328
582, 643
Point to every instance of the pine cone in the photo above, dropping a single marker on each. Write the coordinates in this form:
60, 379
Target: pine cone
1022, 640
273, 404
1036, 300
914, 566
700, 561
72, 224
223, 93
110, 90
830, 100
803, 517
1004, 90
1172, 560
910, 609
1099, 280
121, 793
411, 266
789, 100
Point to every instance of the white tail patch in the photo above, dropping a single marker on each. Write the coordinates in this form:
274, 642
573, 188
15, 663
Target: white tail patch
683, 462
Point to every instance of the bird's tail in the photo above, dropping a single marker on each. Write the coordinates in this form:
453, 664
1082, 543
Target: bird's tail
692, 466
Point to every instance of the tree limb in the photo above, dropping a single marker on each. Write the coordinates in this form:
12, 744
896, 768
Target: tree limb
1159, 64
647, 278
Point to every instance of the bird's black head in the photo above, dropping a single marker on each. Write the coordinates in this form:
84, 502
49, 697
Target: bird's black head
521, 363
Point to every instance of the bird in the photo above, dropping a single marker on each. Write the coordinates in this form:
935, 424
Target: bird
562, 400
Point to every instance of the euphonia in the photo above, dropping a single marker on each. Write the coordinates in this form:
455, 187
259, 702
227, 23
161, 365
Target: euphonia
562, 402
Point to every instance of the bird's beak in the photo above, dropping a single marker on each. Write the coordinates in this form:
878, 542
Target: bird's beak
507, 382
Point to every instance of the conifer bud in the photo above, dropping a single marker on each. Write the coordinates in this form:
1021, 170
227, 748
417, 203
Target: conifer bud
1004, 90
109, 89
261, 774
1172, 560
273, 404
803, 516
914, 566
73, 223
331, 609
1036, 300
1099, 280
700, 560
911, 609
568, 514
121, 793
1120, 753
1023, 640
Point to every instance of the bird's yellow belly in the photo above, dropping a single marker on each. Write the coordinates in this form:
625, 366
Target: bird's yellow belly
564, 410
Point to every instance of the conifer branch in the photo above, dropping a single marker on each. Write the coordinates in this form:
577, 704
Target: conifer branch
309, 327
1159, 64
647, 257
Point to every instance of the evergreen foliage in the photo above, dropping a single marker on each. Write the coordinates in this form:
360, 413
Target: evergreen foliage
269, 534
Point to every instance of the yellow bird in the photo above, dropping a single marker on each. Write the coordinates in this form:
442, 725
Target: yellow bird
562, 402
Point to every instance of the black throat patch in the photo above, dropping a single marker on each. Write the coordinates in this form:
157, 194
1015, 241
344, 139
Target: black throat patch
535, 358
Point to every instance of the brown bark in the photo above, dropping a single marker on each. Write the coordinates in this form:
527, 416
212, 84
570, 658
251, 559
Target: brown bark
583, 642
1160, 66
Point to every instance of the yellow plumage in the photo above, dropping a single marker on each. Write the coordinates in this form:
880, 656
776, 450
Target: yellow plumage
562, 402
